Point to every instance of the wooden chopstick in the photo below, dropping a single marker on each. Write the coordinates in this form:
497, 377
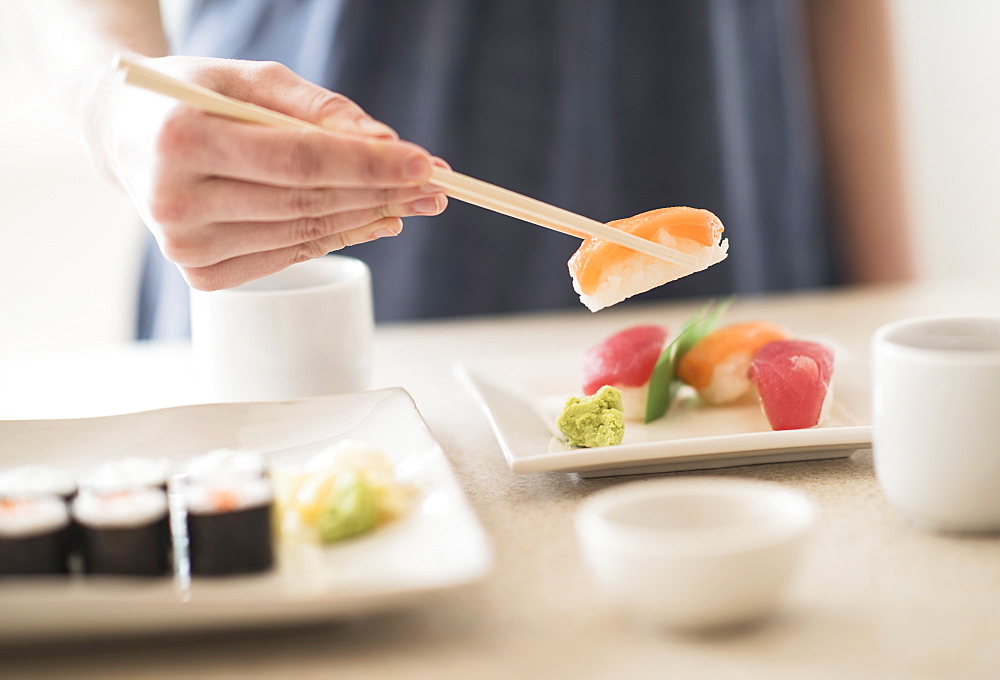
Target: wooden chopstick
456, 185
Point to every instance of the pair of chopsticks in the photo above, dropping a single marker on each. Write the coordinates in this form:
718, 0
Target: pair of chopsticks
456, 185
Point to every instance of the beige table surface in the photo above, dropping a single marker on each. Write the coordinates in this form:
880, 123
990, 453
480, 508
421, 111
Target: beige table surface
875, 598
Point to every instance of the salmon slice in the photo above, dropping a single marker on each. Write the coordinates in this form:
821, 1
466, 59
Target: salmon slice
717, 366
606, 273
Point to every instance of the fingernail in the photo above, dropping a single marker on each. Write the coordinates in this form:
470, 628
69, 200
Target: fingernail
383, 233
431, 189
425, 205
417, 168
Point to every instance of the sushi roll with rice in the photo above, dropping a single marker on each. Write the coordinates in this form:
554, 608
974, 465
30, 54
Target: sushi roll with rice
605, 273
229, 525
129, 473
625, 361
37, 480
717, 365
229, 499
34, 535
124, 532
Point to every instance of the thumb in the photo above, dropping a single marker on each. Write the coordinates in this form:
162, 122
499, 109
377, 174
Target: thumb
279, 88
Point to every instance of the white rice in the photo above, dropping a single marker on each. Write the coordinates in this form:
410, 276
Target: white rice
129, 473
36, 480
634, 402
640, 272
24, 517
729, 380
120, 509
226, 464
214, 498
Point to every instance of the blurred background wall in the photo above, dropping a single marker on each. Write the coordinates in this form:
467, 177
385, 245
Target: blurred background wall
70, 243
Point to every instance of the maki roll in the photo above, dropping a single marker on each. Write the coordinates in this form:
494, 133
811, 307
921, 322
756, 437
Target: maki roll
129, 473
37, 480
33, 535
229, 525
124, 532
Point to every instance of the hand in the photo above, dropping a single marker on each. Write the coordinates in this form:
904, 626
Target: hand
229, 202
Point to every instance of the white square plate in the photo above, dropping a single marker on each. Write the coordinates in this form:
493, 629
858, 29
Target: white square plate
437, 545
522, 397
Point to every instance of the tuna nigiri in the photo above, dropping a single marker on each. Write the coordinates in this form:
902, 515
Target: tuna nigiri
717, 365
625, 361
793, 380
605, 273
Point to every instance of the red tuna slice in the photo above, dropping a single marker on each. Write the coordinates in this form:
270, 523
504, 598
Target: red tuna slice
626, 359
792, 378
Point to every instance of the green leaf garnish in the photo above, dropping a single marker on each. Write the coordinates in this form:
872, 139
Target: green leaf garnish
663, 383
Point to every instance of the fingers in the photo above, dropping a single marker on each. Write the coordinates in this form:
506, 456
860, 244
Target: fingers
277, 87
217, 199
215, 243
210, 145
244, 268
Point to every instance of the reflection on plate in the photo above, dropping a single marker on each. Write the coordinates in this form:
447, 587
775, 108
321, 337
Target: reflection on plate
437, 545
523, 395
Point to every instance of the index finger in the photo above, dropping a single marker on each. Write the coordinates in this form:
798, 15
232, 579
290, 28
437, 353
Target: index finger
214, 146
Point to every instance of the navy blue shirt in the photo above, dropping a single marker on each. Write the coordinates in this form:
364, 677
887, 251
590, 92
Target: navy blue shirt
605, 108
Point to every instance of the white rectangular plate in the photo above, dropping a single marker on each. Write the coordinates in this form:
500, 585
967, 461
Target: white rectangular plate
522, 397
438, 544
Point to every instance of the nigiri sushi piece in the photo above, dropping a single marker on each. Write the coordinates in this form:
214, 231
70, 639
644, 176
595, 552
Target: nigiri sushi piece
605, 273
717, 365
793, 378
625, 361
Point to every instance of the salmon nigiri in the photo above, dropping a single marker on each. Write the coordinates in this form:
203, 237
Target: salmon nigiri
606, 273
717, 366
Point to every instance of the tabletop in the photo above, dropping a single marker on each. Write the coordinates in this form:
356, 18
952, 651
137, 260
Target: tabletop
874, 598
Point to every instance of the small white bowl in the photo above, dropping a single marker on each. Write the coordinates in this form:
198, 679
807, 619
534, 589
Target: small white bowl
694, 554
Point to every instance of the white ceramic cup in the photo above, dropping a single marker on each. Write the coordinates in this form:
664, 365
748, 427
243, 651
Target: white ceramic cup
694, 554
304, 331
936, 420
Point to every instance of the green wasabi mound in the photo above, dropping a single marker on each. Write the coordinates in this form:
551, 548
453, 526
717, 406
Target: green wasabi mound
350, 511
593, 421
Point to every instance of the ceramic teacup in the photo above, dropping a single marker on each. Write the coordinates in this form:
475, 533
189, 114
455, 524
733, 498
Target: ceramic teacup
936, 420
302, 332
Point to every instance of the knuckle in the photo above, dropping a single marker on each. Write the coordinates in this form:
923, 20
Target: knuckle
303, 162
370, 164
178, 135
272, 70
390, 210
309, 250
179, 249
309, 229
385, 196
307, 202
168, 207
326, 105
